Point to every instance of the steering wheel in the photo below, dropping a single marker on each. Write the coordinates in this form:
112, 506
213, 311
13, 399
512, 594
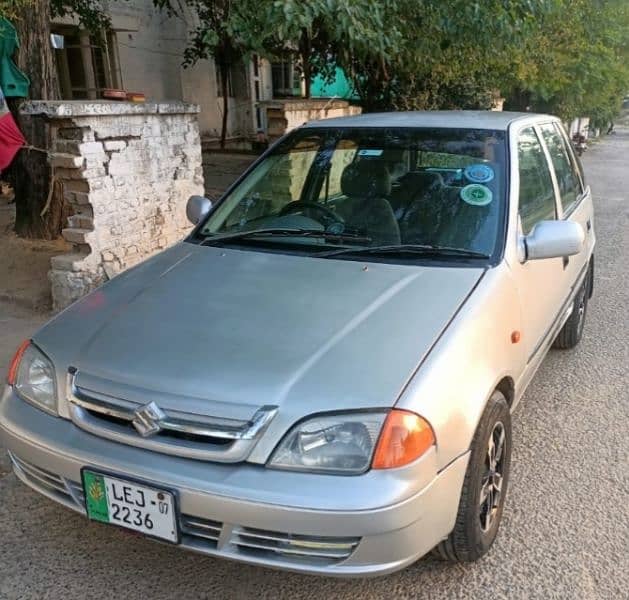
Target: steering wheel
327, 215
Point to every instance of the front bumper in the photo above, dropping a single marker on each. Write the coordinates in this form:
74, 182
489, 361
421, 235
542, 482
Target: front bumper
217, 516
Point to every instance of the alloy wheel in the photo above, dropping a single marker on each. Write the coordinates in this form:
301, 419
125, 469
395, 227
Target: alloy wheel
492, 479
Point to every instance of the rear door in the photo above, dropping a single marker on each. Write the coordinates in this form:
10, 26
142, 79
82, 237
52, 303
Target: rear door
575, 203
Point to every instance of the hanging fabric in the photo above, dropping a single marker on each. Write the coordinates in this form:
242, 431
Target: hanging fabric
11, 138
12, 80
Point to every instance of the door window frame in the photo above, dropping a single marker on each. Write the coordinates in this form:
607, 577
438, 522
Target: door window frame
559, 215
563, 214
574, 160
535, 126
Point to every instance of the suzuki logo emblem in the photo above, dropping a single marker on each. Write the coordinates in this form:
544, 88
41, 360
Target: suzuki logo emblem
147, 419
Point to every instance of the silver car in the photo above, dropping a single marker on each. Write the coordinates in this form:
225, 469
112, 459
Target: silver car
321, 376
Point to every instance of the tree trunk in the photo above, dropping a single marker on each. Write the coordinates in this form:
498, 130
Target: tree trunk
518, 100
305, 50
30, 172
307, 77
224, 73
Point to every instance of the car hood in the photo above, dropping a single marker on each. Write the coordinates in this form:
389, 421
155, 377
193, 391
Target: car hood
224, 331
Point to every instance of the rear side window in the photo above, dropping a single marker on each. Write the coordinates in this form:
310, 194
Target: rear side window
537, 195
577, 169
567, 178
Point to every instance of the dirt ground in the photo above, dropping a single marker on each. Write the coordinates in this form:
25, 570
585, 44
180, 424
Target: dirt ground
220, 170
24, 264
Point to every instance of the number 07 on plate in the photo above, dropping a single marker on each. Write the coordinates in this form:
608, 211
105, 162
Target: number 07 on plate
130, 505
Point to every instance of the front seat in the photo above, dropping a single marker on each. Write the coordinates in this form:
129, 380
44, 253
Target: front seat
417, 220
366, 184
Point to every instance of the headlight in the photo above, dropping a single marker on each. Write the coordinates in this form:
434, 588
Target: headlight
34, 378
335, 443
350, 443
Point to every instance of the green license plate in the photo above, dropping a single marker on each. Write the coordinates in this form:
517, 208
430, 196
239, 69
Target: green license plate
134, 506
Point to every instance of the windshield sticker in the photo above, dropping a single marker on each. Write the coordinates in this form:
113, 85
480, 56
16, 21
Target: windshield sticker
370, 152
479, 173
476, 195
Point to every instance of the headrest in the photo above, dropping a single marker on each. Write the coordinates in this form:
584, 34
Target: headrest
366, 179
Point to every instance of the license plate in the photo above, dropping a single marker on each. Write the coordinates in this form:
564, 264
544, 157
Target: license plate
121, 502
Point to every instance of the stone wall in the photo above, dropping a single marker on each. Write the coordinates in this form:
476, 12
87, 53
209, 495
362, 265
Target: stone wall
580, 126
284, 115
126, 172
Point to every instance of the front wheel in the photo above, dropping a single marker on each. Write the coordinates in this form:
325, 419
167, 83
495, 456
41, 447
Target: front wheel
484, 487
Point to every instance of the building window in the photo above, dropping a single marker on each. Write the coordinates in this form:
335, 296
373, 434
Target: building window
88, 64
285, 79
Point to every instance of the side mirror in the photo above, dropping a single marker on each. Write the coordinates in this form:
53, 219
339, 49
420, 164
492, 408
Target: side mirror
197, 208
552, 239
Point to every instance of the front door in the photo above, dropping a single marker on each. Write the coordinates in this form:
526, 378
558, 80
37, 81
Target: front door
540, 282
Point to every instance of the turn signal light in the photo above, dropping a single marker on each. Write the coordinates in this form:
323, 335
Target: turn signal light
405, 437
15, 362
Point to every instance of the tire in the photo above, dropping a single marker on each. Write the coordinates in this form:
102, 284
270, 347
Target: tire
572, 331
475, 528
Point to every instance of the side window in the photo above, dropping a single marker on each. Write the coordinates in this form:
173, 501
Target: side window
569, 186
537, 195
577, 169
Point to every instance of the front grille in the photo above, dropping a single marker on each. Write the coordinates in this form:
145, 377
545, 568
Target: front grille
200, 533
169, 431
207, 536
293, 547
166, 433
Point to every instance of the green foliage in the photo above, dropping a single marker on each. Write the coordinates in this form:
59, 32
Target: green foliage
213, 36
10, 9
575, 62
323, 33
568, 57
452, 53
89, 12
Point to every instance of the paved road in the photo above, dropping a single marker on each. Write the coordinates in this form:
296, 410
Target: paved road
566, 525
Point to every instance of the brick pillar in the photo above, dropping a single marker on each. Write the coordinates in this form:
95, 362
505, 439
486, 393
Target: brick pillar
127, 171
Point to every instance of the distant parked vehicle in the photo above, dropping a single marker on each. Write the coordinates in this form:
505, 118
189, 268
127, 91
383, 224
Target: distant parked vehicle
321, 377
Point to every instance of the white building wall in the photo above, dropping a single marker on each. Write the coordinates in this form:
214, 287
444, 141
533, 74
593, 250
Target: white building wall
199, 86
580, 125
150, 47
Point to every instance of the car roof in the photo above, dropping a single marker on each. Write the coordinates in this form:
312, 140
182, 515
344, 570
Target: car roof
464, 119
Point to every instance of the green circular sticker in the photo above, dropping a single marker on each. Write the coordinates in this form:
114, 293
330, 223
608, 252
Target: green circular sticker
476, 194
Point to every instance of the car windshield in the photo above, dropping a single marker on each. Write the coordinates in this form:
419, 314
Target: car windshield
368, 188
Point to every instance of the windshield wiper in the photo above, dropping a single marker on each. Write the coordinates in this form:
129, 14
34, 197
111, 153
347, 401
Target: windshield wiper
406, 250
281, 232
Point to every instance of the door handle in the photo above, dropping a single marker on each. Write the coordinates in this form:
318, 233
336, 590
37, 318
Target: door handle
566, 260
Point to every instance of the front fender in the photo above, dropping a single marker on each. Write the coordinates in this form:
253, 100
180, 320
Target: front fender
470, 360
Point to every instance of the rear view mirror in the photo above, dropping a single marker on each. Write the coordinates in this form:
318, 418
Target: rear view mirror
197, 208
552, 239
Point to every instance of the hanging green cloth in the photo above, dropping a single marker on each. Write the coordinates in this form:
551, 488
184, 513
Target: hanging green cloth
14, 83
